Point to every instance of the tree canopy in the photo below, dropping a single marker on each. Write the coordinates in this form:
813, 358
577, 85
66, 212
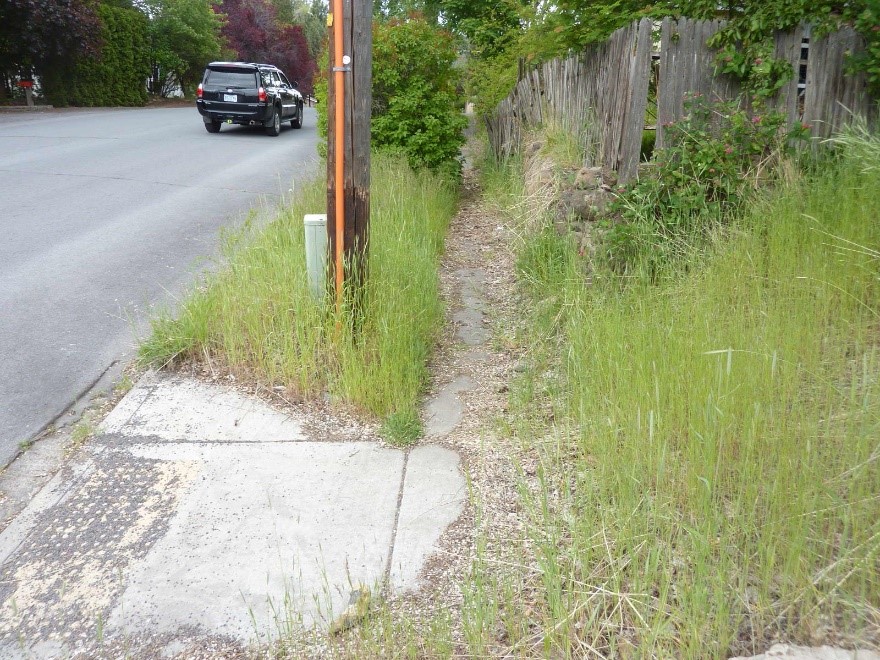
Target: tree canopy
254, 33
59, 41
39, 36
184, 35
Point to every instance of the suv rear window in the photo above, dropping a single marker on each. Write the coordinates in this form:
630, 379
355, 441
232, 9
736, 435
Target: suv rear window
227, 78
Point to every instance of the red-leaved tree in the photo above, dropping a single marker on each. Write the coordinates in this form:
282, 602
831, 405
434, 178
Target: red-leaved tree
252, 30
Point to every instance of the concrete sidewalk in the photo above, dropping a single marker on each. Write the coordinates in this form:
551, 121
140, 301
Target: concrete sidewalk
202, 516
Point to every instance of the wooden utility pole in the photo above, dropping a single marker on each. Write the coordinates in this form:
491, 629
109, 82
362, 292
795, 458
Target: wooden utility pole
348, 141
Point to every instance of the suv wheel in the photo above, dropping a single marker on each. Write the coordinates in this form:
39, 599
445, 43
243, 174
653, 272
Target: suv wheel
213, 127
297, 121
274, 127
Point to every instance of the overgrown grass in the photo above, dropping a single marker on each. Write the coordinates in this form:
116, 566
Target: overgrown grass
709, 478
256, 319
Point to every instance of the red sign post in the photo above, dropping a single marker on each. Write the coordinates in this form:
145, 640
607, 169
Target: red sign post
28, 86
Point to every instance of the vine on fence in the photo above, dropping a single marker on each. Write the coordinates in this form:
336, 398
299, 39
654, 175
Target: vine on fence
745, 44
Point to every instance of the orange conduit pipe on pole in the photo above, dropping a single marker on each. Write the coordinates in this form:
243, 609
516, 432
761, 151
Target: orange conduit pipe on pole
339, 86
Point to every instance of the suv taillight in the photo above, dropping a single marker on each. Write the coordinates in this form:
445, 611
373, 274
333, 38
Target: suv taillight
200, 91
262, 95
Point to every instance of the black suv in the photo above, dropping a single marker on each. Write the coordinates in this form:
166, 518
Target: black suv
248, 94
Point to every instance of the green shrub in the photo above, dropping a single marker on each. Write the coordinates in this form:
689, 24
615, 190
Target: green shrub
117, 75
415, 103
867, 23
490, 81
716, 155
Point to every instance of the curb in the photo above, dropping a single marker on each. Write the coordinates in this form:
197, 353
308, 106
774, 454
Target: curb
25, 108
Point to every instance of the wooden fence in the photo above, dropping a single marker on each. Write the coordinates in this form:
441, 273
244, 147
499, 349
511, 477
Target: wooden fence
601, 94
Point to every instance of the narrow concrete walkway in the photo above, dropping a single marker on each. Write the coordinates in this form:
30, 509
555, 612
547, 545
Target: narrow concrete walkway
200, 518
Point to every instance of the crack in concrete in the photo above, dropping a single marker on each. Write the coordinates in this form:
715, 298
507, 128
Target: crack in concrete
386, 581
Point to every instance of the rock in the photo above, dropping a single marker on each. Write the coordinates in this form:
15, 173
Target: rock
609, 177
571, 201
587, 178
587, 248
586, 205
533, 148
791, 652
357, 610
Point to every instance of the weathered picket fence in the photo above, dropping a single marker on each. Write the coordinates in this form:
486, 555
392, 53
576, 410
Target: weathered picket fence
601, 94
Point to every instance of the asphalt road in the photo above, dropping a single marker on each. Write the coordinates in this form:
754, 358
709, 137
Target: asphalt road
103, 215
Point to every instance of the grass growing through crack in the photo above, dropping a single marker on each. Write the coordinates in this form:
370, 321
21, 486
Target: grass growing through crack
256, 318
710, 463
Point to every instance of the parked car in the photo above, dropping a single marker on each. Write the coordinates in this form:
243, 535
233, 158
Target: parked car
248, 94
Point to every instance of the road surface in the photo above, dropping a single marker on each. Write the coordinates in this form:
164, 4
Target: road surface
103, 215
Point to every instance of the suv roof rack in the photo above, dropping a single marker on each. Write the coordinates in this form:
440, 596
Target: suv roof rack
255, 64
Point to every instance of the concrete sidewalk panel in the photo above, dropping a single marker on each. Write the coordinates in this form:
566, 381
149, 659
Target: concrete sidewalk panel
121, 415
59, 583
177, 408
444, 411
262, 525
208, 515
55, 490
434, 494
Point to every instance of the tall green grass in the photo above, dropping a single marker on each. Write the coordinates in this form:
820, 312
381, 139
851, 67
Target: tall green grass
710, 480
255, 317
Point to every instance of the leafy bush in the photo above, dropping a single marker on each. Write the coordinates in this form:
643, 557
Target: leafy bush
415, 103
37, 35
490, 81
115, 76
716, 153
753, 65
867, 23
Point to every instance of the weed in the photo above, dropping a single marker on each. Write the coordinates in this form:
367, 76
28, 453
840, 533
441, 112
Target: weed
256, 315
124, 386
717, 157
82, 432
711, 481
402, 428
562, 146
